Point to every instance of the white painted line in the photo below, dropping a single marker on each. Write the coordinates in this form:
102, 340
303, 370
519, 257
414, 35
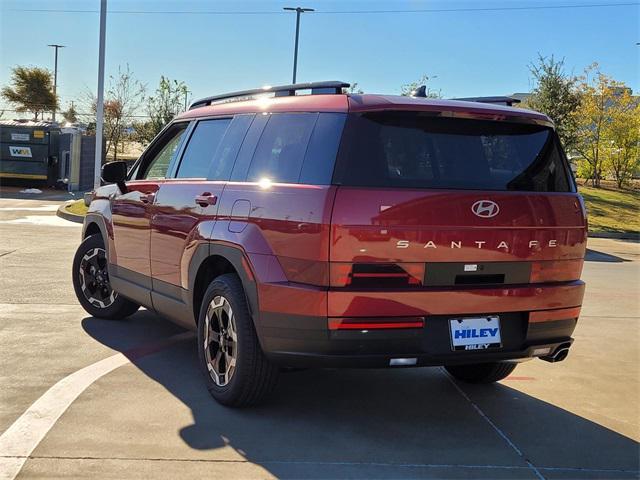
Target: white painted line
42, 208
24, 435
42, 220
504, 436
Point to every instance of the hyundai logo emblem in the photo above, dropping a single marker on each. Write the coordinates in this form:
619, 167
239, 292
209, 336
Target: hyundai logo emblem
485, 208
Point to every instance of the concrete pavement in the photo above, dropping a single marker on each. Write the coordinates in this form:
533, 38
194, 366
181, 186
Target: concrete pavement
153, 417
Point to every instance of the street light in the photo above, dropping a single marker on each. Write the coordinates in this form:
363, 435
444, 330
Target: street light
298, 11
55, 75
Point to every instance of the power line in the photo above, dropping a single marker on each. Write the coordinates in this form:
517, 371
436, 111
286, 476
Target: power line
334, 12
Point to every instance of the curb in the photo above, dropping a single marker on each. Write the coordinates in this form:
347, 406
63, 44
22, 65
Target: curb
72, 217
616, 235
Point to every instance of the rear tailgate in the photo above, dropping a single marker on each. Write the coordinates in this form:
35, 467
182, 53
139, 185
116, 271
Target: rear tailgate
444, 215
382, 225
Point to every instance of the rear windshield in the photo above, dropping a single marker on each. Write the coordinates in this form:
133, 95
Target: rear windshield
406, 150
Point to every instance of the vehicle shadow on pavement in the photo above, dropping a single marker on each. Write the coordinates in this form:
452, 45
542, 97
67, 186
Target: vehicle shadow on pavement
405, 422
595, 256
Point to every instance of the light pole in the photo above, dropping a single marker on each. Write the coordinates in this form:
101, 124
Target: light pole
55, 76
298, 11
186, 96
100, 99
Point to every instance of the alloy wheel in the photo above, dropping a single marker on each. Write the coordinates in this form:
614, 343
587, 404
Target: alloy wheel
220, 341
94, 279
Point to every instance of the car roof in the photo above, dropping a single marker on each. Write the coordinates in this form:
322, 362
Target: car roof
366, 103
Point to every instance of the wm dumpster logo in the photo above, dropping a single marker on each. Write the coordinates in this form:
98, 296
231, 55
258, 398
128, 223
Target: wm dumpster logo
24, 152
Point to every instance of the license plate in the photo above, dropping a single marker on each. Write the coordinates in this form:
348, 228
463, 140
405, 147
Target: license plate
477, 333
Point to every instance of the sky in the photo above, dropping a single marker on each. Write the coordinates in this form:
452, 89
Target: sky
475, 48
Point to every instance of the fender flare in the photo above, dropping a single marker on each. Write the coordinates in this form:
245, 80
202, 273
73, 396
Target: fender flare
237, 258
99, 221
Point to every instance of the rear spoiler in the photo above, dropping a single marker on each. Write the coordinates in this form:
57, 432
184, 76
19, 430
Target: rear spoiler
421, 92
508, 101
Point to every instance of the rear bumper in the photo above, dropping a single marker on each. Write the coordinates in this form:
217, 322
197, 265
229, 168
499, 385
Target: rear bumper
291, 337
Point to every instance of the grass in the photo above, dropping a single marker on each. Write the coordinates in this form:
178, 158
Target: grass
612, 210
76, 207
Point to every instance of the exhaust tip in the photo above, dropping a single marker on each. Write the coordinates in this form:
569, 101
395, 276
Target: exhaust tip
559, 355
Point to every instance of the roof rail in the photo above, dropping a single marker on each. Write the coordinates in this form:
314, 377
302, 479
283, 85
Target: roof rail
317, 88
508, 101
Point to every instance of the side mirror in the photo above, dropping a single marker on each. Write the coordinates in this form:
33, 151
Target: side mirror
115, 172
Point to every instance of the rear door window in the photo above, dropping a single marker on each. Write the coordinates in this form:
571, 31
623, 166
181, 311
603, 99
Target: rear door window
200, 154
413, 151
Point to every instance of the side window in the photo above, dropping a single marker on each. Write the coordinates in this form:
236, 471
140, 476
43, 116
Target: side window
201, 149
282, 147
323, 149
162, 155
228, 149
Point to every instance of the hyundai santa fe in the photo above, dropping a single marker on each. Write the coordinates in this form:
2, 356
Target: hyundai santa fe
341, 230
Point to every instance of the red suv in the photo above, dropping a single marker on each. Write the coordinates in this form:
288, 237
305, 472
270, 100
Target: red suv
343, 230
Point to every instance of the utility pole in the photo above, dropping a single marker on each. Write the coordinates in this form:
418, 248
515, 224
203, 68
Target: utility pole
298, 11
100, 100
186, 96
55, 75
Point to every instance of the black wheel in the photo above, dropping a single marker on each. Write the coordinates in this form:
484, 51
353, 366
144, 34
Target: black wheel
235, 368
482, 372
91, 282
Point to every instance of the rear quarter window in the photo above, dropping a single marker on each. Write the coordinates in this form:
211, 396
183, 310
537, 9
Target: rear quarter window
291, 148
282, 147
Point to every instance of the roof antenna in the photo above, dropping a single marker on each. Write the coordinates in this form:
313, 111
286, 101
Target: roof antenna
420, 92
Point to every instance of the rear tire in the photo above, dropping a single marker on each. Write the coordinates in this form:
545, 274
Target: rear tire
481, 372
236, 370
91, 282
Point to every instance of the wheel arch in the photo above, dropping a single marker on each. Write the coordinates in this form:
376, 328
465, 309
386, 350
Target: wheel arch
212, 260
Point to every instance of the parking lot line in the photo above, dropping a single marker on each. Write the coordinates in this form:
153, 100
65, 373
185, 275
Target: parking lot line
504, 436
24, 435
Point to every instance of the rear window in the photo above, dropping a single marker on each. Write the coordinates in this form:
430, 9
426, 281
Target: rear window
402, 150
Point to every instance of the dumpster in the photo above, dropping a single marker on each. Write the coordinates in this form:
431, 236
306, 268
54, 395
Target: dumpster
29, 151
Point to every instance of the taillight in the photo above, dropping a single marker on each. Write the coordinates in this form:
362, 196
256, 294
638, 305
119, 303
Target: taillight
377, 275
553, 315
556, 271
375, 323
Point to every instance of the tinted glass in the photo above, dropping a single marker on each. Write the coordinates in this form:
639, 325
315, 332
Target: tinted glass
199, 155
323, 148
282, 147
413, 151
164, 153
228, 148
241, 166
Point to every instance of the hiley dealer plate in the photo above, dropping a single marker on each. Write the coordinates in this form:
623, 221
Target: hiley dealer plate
477, 333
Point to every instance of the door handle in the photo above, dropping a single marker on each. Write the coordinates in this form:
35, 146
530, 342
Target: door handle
147, 197
206, 199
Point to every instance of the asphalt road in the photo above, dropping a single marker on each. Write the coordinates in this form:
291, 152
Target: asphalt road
152, 416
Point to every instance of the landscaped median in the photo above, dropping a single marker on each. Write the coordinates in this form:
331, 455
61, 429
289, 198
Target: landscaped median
612, 212
73, 211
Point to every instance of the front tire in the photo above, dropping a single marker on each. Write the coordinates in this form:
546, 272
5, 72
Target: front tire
91, 282
233, 364
481, 372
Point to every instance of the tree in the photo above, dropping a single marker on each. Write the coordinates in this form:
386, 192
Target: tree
355, 89
407, 88
600, 105
556, 94
123, 99
71, 115
31, 90
622, 137
168, 100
